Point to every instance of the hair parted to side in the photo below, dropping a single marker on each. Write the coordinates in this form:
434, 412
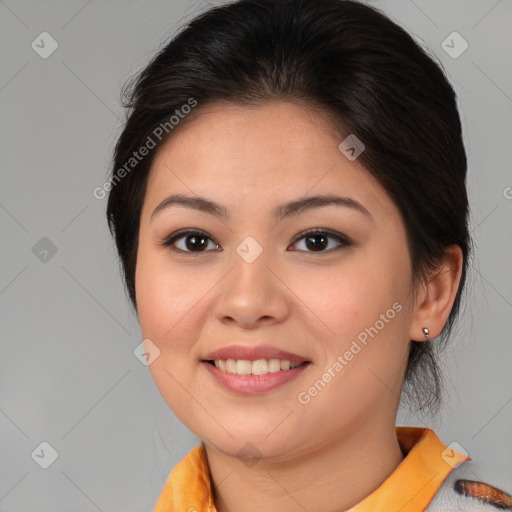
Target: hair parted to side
343, 58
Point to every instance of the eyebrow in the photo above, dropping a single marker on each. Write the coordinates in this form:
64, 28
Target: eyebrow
280, 212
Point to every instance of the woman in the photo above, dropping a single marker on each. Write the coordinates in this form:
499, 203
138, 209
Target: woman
289, 206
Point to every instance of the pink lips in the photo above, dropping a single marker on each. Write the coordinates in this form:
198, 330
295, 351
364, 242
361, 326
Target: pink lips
253, 384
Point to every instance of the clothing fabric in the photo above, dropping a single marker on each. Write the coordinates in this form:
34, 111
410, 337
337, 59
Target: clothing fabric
432, 477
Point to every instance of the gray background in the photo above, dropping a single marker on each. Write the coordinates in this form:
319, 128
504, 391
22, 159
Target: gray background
68, 373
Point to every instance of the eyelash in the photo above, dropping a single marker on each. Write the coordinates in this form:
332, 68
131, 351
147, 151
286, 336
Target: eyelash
343, 240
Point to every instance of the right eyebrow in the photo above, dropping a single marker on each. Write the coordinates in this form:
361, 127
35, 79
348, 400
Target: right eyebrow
197, 203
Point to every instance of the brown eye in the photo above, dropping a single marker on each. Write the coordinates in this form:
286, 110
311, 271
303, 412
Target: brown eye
317, 240
193, 241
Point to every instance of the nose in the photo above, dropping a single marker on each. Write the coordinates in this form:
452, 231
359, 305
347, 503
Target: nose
252, 294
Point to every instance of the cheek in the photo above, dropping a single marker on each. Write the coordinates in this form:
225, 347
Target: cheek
168, 304
354, 296
364, 305
166, 297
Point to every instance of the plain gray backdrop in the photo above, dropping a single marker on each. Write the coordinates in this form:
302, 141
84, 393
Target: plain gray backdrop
73, 395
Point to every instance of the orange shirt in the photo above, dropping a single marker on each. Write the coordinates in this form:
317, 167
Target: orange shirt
410, 488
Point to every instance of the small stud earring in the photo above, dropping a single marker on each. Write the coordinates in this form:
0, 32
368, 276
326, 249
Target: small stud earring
426, 332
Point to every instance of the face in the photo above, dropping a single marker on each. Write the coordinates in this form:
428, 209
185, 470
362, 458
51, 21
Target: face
337, 301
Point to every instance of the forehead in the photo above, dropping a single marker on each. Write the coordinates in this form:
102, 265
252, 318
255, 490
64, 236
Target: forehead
255, 155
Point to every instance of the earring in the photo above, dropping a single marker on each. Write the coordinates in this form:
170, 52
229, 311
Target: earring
426, 332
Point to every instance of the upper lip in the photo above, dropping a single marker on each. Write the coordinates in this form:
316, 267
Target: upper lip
253, 353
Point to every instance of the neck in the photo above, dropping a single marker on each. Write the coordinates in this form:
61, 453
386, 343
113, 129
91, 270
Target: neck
333, 478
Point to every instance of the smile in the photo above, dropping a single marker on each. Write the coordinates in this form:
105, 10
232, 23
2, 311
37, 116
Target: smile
257, 367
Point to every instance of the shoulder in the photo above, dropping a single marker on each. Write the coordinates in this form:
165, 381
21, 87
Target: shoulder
462, 491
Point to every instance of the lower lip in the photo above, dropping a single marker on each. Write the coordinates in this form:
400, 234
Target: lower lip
254, 384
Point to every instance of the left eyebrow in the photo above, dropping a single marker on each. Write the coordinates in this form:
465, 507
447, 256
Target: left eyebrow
280, 212
307, 203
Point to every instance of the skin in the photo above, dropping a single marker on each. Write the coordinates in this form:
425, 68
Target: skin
332, 452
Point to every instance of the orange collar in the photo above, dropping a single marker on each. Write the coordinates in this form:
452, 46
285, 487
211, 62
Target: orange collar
410, 488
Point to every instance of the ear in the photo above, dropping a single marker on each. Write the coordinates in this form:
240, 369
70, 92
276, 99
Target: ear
435, 297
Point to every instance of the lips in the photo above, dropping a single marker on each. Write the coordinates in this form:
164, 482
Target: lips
253, 354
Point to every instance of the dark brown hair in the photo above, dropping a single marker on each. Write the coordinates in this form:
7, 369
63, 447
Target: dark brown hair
339, 56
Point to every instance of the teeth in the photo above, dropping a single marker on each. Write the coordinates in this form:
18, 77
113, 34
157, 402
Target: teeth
243, 367
258, 367
274, 365
230, 365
